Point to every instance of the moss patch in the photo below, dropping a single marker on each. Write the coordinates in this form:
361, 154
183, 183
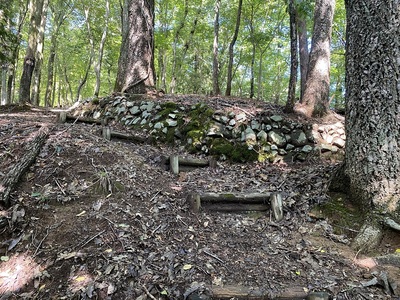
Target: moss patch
234, 152
344, 217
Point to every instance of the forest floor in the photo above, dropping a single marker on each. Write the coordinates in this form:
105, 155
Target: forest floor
98, 219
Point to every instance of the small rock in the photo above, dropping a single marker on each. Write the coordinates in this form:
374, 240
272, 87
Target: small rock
276, 138
171, 123
307, 149
134, 110
276, 118
249, 135
241, 117
339, 142
262, 136
298, 138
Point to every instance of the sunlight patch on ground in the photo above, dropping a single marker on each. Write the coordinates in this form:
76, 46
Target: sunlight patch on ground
17, 272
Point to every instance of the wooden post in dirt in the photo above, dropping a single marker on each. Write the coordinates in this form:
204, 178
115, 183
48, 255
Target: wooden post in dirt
277, 206
174, 164
107, 133
62, 117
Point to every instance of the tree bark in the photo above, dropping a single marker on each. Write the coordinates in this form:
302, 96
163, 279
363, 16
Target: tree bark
99, 61
37, 72
315, 100
372, 160
303, 50
216, 90
291, 98
136, 61
231, 46
35, 9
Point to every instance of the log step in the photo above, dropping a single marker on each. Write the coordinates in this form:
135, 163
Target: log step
237, 202
177, 164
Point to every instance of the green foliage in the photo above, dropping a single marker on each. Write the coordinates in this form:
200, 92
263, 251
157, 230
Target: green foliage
235, 152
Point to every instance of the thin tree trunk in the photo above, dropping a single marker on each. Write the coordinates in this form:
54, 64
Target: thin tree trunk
97, 67
291, 98
303, 51
216, 90
4, 97
175, 46
39, 53
231, 46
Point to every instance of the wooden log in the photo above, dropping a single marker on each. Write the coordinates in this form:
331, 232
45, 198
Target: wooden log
244, 293
64, 117
108, 134
10, 181
189, 164
245, 198
236, 202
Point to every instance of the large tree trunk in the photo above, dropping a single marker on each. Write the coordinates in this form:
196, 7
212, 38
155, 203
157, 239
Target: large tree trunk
136, 60
35, 8
315, 100
371, 169
291, 98
216, 90
231, 45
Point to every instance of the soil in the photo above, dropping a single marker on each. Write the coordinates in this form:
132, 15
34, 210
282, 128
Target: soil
98, 219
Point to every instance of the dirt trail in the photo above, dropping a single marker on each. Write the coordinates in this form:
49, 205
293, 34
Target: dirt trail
98, 219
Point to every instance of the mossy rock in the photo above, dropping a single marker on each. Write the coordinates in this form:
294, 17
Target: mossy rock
234, 152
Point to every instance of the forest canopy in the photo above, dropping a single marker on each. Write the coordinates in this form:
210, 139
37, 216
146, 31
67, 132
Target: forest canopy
78, 42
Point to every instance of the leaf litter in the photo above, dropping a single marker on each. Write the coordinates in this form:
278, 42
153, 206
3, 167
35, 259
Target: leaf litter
103, 220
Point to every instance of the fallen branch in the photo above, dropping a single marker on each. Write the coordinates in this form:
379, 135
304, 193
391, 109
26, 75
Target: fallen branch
242, 293
11, 180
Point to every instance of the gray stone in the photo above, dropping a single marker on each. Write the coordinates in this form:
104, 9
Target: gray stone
96, 115
328, 147
267, 127
136, 121
282, 152
147, 106
249, 135
262, 136
276, 138
232, 122
120, 109
298, 138
129, 104
241, 117
144, 121
231, 114
289, 147
224, 119
165, 130
171, 123
145, 114
274, 147
158, 125
285, 129
255, 125
216, 130
276, 118
135, 110
172, 116
307, 149
339, 142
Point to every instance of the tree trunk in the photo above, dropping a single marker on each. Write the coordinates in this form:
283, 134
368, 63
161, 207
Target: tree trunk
216, 90
136, 60
35, 9
4, 97
37, 72
97, 66
291, 98
175, 46
371, 170
303, 50
316, 94
231, 45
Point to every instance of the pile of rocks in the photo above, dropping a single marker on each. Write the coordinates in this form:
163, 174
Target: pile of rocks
199, 128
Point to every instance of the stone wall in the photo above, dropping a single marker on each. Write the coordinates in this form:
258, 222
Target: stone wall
226, 133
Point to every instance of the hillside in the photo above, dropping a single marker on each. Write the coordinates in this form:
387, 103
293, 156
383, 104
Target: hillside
102, 219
